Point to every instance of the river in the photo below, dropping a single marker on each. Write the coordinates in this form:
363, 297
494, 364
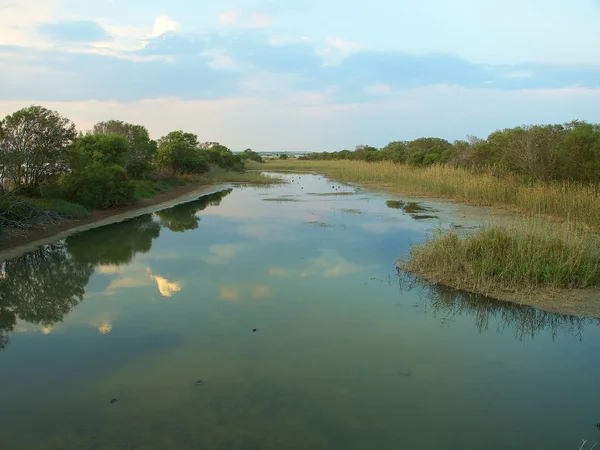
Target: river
274, 318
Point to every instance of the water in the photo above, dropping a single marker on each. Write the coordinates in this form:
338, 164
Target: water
346, 354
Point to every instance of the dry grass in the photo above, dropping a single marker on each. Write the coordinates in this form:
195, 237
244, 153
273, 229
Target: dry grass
577, 204
518, 258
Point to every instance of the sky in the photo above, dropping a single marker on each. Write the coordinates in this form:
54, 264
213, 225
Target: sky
304, 75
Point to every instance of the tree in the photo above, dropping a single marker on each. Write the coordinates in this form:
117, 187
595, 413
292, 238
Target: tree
180, 152
221, 156
98, 178
283, 156
33, 146
141, 149
579, 155
394, 151
252, 155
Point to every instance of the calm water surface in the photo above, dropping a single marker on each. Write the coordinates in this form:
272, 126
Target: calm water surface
346, 354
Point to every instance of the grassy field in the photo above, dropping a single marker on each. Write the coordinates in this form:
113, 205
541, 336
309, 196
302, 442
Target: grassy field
577, 204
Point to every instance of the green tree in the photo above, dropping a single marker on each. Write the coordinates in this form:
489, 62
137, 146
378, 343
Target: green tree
252, 155
179, 151
394, 151
33, 146
219, 155
141, 149
283, 156
98, 178
579, 155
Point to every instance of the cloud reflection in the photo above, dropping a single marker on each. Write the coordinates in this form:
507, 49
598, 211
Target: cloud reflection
237, 293
329, 264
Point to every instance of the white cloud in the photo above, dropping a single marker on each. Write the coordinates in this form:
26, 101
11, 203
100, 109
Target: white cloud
19, 22
239, 19
164, 24
337, 49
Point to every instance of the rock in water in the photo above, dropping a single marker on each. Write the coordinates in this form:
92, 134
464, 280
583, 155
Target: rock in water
114, 400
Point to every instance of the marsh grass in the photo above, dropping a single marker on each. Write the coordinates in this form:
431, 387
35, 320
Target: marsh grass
249, 177
575, 203
517, 258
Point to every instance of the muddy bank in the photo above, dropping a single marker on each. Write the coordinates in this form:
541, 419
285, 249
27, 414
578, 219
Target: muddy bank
576, 302
16, 242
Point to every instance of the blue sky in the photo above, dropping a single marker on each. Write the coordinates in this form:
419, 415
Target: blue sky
304, 74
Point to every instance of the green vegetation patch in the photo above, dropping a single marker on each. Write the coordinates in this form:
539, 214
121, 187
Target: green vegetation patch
423, 217
25, 212
395, 204
518, 259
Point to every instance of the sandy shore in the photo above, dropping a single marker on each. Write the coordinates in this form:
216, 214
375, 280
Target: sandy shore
17, 242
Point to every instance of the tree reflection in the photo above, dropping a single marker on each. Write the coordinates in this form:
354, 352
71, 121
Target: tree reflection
525, 321
114, 244
183, 217
40, 287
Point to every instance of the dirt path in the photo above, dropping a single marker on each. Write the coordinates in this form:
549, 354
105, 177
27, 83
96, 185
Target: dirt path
16, 242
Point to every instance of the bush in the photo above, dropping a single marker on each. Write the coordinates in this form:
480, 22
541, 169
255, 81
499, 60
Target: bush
98, 186
98, 178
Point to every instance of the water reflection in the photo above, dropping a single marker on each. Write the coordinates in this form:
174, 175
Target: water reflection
42, 286
183, 217
526, 322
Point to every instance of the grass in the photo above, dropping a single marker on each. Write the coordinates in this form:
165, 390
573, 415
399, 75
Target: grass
517, 259
63, 208
578, 204
151, 187
154, 186
216, 176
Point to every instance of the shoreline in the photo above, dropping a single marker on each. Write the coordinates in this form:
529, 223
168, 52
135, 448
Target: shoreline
576, 302
571, 302
16, 243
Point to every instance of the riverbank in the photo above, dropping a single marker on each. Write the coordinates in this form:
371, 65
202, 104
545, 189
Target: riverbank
528, 264
15, 242
557, 201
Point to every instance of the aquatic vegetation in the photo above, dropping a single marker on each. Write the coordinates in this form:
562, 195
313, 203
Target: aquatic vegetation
516, 258
423, 217
395, 204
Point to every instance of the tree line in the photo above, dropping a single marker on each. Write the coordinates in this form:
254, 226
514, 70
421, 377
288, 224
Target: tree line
569, 151
43, 155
